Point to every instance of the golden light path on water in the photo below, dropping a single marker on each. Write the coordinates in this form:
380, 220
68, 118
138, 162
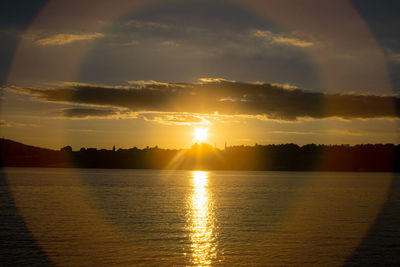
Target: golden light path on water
201, 223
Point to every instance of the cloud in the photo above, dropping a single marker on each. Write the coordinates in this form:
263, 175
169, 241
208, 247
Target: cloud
174, 118
87, 112
131, 43
286, 86
291, 41
214, 80
274, 38
170, 43
3, 123
142, 24
63, 39
148, 83
393, 56
221, 97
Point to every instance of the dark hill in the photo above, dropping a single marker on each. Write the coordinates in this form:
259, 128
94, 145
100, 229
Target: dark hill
15, 154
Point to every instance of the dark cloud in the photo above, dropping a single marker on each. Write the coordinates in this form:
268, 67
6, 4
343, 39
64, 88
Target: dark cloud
213, 96
13, 21
12, 15
384, 21
185, 40
86, 112
382, 17
200, 14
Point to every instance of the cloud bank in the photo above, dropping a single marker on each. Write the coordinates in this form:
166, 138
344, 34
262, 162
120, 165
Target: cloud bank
218, 96
63, 39
87, 112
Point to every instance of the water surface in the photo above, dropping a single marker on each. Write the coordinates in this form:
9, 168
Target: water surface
150, 217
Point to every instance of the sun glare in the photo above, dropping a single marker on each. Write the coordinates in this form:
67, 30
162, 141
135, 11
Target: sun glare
200, 134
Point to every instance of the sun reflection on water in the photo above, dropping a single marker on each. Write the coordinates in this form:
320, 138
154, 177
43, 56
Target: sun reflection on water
201, 223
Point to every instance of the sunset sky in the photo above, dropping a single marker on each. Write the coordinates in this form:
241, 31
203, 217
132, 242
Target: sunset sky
145, 73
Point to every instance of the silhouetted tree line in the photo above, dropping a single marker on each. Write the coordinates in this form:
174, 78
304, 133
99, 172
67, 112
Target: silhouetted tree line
284, 157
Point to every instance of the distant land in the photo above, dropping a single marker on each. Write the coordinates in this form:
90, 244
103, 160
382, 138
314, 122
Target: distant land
283, 157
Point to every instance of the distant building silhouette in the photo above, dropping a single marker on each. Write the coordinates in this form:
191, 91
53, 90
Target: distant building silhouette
67, 149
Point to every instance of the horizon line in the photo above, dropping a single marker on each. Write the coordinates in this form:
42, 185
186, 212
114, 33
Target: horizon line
199, 144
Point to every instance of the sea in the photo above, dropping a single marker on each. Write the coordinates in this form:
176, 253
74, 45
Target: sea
112, 217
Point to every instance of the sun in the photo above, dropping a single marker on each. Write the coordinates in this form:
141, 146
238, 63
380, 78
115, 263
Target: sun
200, 134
